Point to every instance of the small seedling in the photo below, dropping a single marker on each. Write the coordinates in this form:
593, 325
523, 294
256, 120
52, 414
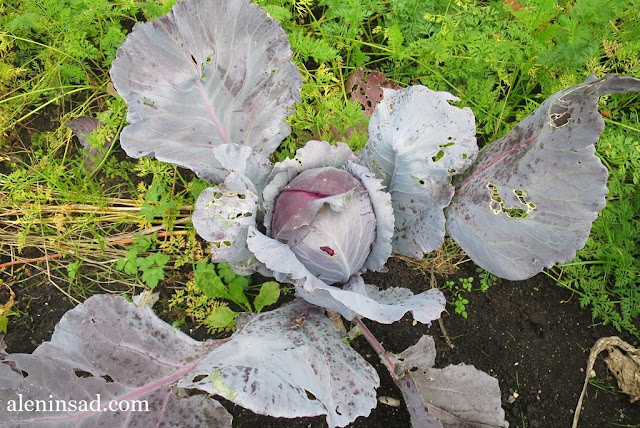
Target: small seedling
487, 279
158, 202
150, 268
465, 285
461, 306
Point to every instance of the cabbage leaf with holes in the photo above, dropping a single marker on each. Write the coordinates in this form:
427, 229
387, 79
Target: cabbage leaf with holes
104, 350
455, 396
289, 362
210, 72
530, 198
417, 142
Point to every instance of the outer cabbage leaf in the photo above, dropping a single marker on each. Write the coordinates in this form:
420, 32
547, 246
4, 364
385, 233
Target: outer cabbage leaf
368, 90
223, 213
242, 160
209, 72
222, 216
356, 298
290, 362
128, 353
457, 396
394, 302
531, 196
417, 140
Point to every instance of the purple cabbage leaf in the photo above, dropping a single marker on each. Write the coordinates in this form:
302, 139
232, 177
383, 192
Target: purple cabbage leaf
417, 141
210, 72
223, 216
111, 349
225, 212
290, 362
529, 200
456, 396
242, 160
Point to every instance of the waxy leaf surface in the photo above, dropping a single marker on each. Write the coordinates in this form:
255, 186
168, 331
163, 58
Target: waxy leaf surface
223, 215
354, 298
110, 348
290, 362
209, 72
417, 140
459, 396
530, 198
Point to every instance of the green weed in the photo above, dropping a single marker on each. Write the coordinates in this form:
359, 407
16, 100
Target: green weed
150, 268
602, 386
53, 50
207, 296
464, 285
605, 273
487, 279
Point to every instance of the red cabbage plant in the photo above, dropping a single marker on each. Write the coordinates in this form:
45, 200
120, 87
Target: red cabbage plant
208, 87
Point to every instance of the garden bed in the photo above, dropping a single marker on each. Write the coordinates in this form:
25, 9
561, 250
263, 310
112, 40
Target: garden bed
531, 335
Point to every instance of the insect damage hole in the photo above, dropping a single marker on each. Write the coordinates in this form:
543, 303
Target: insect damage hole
440, 154
330, 251
82, 374
221, 244
240, 215
419, 180
497, 205
198, 378
559, 116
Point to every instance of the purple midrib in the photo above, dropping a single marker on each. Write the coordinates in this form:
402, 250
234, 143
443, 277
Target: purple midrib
496, 161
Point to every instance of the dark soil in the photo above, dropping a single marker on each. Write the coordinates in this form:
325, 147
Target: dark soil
531, 335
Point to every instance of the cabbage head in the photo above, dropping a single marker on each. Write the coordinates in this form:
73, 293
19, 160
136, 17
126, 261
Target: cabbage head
325, 216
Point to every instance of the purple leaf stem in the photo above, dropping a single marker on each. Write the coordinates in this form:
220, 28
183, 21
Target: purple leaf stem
420, 416
377, 346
